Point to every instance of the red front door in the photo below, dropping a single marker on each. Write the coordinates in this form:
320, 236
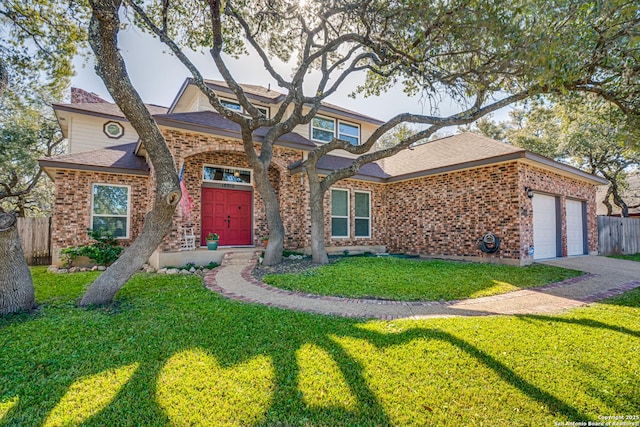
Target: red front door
228, 213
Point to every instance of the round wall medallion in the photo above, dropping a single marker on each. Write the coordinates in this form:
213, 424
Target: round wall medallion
113, 130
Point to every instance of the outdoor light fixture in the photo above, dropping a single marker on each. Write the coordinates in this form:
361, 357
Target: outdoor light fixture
236, 174
529, 192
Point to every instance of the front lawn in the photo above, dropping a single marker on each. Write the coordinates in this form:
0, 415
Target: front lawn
171, 353
411, 280
634, 257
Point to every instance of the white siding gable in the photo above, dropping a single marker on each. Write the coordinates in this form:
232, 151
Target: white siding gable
86, 133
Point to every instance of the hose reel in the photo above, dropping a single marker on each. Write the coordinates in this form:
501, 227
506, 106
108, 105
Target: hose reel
489, 243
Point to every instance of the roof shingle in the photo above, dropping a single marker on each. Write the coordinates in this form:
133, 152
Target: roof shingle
112, 159
452, 150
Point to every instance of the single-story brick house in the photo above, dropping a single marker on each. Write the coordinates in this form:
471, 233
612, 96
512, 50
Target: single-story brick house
435, 199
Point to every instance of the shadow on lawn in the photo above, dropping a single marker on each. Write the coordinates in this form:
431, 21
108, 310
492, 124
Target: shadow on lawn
46, 356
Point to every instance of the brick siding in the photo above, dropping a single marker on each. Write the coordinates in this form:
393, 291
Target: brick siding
440, 215
446, 214
72, 209
196, 149
80, 96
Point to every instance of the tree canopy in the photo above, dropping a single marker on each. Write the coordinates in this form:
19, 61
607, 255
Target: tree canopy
583, 130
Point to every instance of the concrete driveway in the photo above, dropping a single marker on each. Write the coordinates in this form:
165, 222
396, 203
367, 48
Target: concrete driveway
616, 270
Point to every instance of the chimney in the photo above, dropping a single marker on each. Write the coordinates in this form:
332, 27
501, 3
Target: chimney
81, 96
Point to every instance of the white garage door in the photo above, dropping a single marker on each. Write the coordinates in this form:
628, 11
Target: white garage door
575, 228
544, 227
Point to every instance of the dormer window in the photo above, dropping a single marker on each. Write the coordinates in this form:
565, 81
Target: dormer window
237, 107
231, 105
323, 129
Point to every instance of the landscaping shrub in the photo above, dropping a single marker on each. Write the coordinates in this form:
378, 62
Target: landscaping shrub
104, 251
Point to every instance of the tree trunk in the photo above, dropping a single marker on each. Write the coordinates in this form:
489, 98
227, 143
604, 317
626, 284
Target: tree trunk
273, 252
16, 286
156, 225
110, 67
318, 249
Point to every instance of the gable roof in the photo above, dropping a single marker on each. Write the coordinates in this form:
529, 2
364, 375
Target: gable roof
104, 109
209, 121
462, 151
271, 96
114, 159
446, 152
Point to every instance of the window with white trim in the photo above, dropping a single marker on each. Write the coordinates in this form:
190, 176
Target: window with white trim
231, 105
110, 207
349, 132
323, 129
362, 213
226, 174
339, 213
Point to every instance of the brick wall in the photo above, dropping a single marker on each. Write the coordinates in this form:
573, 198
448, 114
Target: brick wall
446, 214
81, 96
442, 215
196, 149
72, 207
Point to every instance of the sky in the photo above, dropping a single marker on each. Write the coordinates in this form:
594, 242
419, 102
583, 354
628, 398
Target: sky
157, 75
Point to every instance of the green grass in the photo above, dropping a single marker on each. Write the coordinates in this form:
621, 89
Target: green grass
410, 280
634, 257
171, 353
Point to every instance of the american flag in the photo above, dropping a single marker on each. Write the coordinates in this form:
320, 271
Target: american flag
186, 204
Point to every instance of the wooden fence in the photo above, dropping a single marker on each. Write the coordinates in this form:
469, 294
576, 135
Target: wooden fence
618, 236
35, 235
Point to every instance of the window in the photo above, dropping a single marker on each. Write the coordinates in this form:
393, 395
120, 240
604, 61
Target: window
339, 213
349, 133
264, 111
363, 214
221, 174
110, 209
322, 129
237, 107
231, 105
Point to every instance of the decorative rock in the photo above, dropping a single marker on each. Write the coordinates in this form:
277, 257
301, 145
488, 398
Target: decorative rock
192, 270
83, 269
101, 268
162, 271
172, 271
52, 269
94, 268
295, 256
74, 270
62, 270
185, 271
149, 269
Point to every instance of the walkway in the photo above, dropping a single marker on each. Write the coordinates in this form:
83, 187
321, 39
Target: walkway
607, 277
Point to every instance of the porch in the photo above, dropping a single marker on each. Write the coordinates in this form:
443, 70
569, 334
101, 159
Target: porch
203, 256
198, 256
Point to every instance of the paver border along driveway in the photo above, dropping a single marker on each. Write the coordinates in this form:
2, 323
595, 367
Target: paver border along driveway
606, 277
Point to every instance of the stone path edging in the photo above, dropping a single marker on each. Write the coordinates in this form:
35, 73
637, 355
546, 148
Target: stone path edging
242, 286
